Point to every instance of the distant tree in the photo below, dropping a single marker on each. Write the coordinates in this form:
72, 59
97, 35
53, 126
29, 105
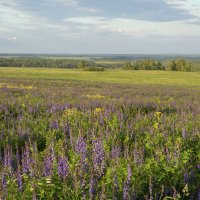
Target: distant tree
179, 65
171, 65
127, 65
82, 64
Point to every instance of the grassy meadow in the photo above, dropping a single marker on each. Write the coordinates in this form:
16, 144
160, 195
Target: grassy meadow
72, 134
185, 79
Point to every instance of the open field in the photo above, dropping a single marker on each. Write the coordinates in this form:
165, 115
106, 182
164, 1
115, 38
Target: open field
190, 79
109, 135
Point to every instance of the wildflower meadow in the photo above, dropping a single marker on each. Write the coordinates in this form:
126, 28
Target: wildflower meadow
64, 139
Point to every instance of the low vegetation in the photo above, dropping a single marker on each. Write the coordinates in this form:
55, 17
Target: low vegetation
178, 64
90, 140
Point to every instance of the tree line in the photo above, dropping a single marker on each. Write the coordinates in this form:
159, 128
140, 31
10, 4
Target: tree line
178, 64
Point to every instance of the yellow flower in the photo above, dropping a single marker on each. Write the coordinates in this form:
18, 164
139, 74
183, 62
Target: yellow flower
97, 96
155, 125
97, 110
158, 114
70, 111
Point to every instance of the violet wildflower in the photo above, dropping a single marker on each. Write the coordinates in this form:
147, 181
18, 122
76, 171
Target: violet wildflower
92, 189
198, 195
127, 183
18, 157
8, 162
48, 165
63, 167
98, 157
81, 149
186, 177
115, 152
26, 160
49, 161
66, 129
54, 125
19, 179
1, 158
4, 181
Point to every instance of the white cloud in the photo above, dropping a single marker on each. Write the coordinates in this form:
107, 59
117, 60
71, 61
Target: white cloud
65, 2
13, 38
88, 9
86, 20
191, 6
134, 28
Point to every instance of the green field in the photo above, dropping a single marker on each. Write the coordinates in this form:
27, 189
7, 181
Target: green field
114, 134
190, 79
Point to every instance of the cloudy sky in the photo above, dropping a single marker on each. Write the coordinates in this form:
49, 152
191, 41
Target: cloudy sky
100, 26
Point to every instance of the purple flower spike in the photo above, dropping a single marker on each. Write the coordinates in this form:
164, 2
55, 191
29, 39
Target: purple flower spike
92, 189
198, 195
81, 149
19, 180
4, 181
54, 125
26, 160
98, 157
186, 178
7, 159
63, 167
127, 183
48, 166
115, 152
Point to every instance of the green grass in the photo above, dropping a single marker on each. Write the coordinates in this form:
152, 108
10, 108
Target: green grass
186, 79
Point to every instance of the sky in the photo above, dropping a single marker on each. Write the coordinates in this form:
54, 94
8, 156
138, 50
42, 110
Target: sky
100, 26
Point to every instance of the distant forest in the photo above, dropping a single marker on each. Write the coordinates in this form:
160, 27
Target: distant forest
176, 64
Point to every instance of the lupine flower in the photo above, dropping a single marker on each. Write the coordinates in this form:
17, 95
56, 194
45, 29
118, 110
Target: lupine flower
186, 178
115, 187
48, 161
26, 160
8, 163
92, 190
54, 125
198, 195
4, 181
1, 158
81, 149
66, 129
115, 151
98, 157
19, 179
126, 188
63, 167
48, 165
18, 157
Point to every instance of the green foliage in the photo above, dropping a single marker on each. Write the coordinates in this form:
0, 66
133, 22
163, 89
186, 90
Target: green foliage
179, 65
145, 137
82, 64
98, 69
143, 65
